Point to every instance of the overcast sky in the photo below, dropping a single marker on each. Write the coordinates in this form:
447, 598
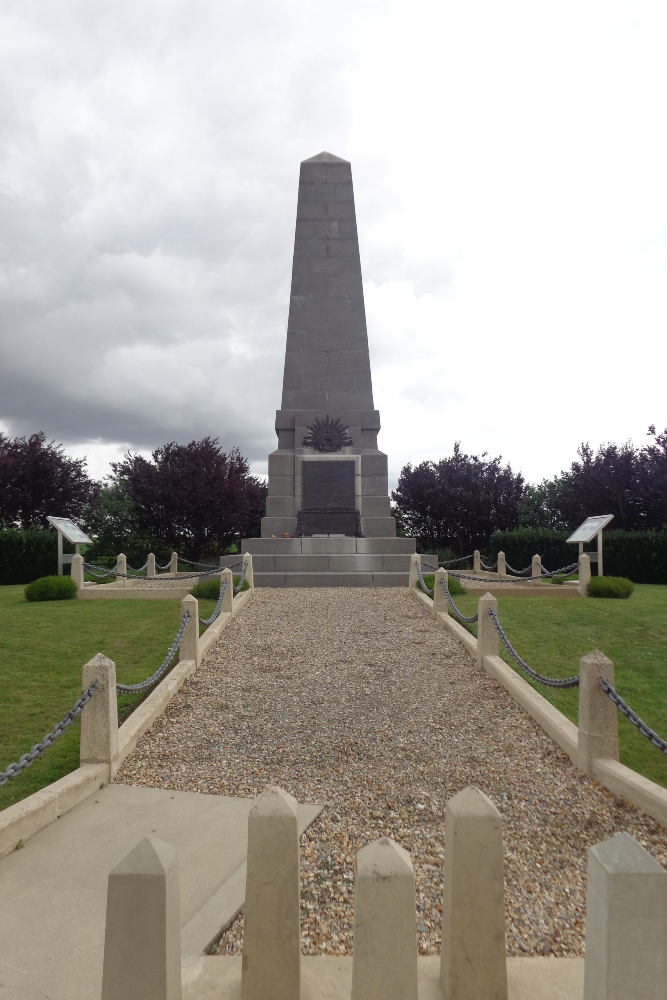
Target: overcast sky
509, 163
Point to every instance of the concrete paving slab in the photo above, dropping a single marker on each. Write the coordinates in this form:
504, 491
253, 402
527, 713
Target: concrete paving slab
331, 978
53, 891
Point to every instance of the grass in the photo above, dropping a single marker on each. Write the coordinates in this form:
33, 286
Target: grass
45, 646
552, 634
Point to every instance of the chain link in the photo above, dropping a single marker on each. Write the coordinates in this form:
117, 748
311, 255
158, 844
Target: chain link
565, 682
216, 610
632, 716
491, 568
518, 572
150, 681
427, 590
166, 565
484, 579
563, 571
50, 738
456, 611
99, 571
448, 562
242, 577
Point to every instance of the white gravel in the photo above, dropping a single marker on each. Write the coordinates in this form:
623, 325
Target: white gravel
357, 698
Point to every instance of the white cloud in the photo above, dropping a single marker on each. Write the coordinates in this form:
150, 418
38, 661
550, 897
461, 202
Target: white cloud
509, 165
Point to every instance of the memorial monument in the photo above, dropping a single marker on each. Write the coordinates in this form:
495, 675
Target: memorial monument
328, 520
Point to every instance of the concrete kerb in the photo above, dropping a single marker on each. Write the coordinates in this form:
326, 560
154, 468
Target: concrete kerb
24, 819
612, 775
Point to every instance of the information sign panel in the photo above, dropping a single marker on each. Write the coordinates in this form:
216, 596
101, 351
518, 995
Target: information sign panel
587, 531
70, 531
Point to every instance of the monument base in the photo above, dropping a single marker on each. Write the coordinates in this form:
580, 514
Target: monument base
330, 561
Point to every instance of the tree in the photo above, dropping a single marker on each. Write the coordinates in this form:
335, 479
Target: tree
538, 507
607, 482
653, 480
38, 479
194, 498
459, 501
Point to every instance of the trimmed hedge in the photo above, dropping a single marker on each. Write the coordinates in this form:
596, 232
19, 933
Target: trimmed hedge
640, 556
453, 585
209, 590
51, 588
609, 586
27, 555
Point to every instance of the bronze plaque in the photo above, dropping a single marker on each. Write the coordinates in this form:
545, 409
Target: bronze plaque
328, 484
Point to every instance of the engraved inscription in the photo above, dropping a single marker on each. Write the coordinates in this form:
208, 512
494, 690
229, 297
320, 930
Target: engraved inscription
328, 484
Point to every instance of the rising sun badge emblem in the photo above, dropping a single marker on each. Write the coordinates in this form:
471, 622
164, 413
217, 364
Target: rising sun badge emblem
327, 435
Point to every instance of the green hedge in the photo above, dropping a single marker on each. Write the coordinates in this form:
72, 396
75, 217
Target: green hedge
609, 586
51, 588
27, 555
640, 556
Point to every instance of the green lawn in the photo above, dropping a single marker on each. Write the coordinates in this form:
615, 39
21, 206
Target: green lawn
552, 634
46, 644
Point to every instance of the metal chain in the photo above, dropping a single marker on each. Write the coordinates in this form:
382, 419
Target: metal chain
518, 572
132, 571
50, 738
484, 579
632, 717
143, 685
242, 578
448, 562
565, 682
216, 610
166, 565
427, 590
99, 571
563, 571
456, 611
491, 568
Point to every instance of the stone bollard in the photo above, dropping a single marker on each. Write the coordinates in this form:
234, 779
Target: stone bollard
99, 717
228, 600
249, 577
173, 564
584, 574
121, 571
271, 963
150, 568
626, 923
598, 720
189, 648
535, 568
415, 560
487, 636
142, 941
77, 571
502, 568
476, 562
384, 960
472, 961
440, 606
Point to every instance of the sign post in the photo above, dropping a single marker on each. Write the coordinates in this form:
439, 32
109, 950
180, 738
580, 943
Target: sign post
586, 532
67, 529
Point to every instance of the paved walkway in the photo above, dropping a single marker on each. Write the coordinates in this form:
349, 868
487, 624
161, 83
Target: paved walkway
357, 698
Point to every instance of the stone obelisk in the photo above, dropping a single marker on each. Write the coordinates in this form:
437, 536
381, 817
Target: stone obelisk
327, 476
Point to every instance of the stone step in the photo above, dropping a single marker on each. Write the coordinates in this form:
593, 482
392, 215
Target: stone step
355, 563
328, 545
370, 579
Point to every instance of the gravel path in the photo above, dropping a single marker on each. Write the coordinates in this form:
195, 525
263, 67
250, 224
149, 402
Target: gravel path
358, 699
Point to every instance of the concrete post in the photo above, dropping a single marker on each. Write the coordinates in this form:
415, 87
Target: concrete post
99, 718
173, 564
535, 571
415, 560
476, 562
472, 959
584, 573
121, 571
626, 922
142, 942
270, 968
487, 637
598, 719
248, 558
502, 568
228, 599
384, 960
150, 569
440, 606
77, 571
189, 648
